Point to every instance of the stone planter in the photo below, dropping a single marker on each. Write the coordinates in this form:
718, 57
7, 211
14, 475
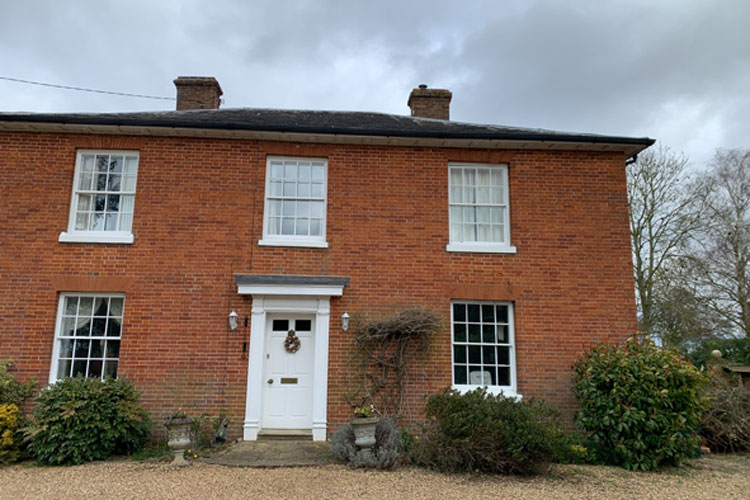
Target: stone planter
179, 436
364, 431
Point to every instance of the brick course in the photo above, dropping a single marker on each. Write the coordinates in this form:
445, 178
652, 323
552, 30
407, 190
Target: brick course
199, 215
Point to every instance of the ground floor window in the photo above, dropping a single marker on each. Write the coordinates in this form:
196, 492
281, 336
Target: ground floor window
483, 353
87, 336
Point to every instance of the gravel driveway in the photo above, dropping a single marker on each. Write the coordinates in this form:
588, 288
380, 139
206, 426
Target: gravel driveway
720, 477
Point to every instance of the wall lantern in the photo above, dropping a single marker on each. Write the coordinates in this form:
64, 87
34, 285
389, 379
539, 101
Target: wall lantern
233, 320
345, 321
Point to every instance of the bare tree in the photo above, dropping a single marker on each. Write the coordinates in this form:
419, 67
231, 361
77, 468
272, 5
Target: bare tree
663, 213
721, 260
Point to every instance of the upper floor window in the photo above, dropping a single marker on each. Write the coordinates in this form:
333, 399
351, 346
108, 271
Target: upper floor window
101, 210
483, 347
295, 209
479, 209
87, 336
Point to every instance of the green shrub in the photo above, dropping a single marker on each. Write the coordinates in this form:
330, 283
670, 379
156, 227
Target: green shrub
10, 442
82, 419
12, 392
640, 404
726, 422
383, 455
477, 431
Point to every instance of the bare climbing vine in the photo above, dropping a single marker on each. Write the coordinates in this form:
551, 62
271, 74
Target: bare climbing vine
384, 351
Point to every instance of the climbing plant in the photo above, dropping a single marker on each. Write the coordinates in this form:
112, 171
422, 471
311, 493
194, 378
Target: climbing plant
385, 350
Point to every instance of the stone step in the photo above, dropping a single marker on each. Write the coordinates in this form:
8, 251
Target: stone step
285, 435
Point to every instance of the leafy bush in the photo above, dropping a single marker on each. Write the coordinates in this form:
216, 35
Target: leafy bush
12, 392
82, 419
383, 455
640, 405
477, 431
726, 422
10, 442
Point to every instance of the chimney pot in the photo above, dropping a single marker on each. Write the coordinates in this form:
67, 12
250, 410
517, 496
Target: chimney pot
430, 103
198, 92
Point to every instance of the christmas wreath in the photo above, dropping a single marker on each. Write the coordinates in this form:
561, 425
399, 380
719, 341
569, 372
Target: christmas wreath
292, 343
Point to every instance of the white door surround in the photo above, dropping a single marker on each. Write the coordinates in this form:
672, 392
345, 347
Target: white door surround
293, 295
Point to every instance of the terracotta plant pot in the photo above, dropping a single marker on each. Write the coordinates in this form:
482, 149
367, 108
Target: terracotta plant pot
364, 431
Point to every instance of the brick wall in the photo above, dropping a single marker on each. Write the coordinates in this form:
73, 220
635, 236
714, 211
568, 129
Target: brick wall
199, 215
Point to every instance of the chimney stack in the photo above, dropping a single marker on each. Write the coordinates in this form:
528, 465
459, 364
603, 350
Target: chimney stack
430, 103
197, 92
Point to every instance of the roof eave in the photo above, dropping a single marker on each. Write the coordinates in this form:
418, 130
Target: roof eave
628, 146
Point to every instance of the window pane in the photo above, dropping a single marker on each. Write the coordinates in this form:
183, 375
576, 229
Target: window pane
126, 222
114, 183
483, 232
302, 227
456, 195
82, 222
470, 195
316, 209
115, 164
101, 182
502, 314
99, 326
475, 333
483, 215
68, 327
110, 223
456, 178
469, 176
100, 306
66, 348
71, 305
113, 328
126, 203
497, 196
95, 368
113, 349
483, 195
488, 333
276, 188
497, 234
287, 226
459, 333
305, 171
503, 376
459, 354
84, 181
488, 313
473, 312
459, 375
100, 201
274, 225
475, 354
303, 189
274, 208
303, 209
102, 161
277, 170
503, 355
317, 172
131, 165
83, 326
303, 325
470, 215
97, 349
84, 202
128, 183
87, 165
459, 312
314, 227
290, 170
115, 306
79, 368
288, 208
488, 355
470, 232
317, 191
63, 368
290, 188
110, 369
280, 325
81, 349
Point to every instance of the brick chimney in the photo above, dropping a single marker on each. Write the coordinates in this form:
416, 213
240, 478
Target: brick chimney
430, 103
197, 92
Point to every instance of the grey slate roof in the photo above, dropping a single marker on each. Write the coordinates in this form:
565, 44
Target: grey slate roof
319, 122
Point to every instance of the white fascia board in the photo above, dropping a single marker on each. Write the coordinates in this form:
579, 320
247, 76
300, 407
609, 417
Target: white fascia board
298, 290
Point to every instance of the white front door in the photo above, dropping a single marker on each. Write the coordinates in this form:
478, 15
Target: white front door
288, 376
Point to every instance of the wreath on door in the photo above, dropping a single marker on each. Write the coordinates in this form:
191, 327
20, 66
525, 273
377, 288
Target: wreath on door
292, 343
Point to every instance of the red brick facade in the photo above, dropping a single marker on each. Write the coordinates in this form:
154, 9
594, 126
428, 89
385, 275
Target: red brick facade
198, 218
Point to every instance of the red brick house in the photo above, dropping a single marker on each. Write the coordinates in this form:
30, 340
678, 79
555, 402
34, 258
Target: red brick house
179, 248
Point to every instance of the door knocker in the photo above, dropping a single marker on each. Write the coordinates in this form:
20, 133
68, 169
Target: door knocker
292, 343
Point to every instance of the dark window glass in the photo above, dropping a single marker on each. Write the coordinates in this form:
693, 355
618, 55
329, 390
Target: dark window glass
475, 354
63, 369
488, 334
502, 314
280, 325
303, 325
503, 376
459, 333
97, 349
459, 354
473, 312
82, 349
79, 368
488, 314
95, 368
475, 333
113, 328
110, 369
66, 349
113, 348
503, 355
488, 353
459, 374
459, 312
98, 327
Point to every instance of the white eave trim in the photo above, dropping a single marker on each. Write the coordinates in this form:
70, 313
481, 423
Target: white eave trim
292, 289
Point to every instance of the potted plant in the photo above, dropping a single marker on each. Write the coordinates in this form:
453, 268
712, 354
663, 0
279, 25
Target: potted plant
179, 431
364, 422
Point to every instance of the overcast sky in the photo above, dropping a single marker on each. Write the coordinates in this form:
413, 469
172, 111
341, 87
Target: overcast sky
674, 70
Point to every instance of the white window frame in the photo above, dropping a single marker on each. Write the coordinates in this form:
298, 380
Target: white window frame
77, 236
54, 365
294, 240
482, 246
506, 390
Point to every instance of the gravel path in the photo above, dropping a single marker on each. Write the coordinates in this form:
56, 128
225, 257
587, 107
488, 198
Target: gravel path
720, 477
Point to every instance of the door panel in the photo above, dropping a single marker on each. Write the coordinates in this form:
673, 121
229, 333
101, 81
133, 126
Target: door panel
287, 381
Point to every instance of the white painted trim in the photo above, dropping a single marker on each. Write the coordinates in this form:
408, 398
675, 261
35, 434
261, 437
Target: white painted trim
118, 237
508, 390
471, 247
293, 240
267, 242
298, 290
297, 302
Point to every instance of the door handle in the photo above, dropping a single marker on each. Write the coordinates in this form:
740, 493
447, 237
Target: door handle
270, 381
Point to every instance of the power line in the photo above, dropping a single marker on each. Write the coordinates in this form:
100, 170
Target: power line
81, 89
